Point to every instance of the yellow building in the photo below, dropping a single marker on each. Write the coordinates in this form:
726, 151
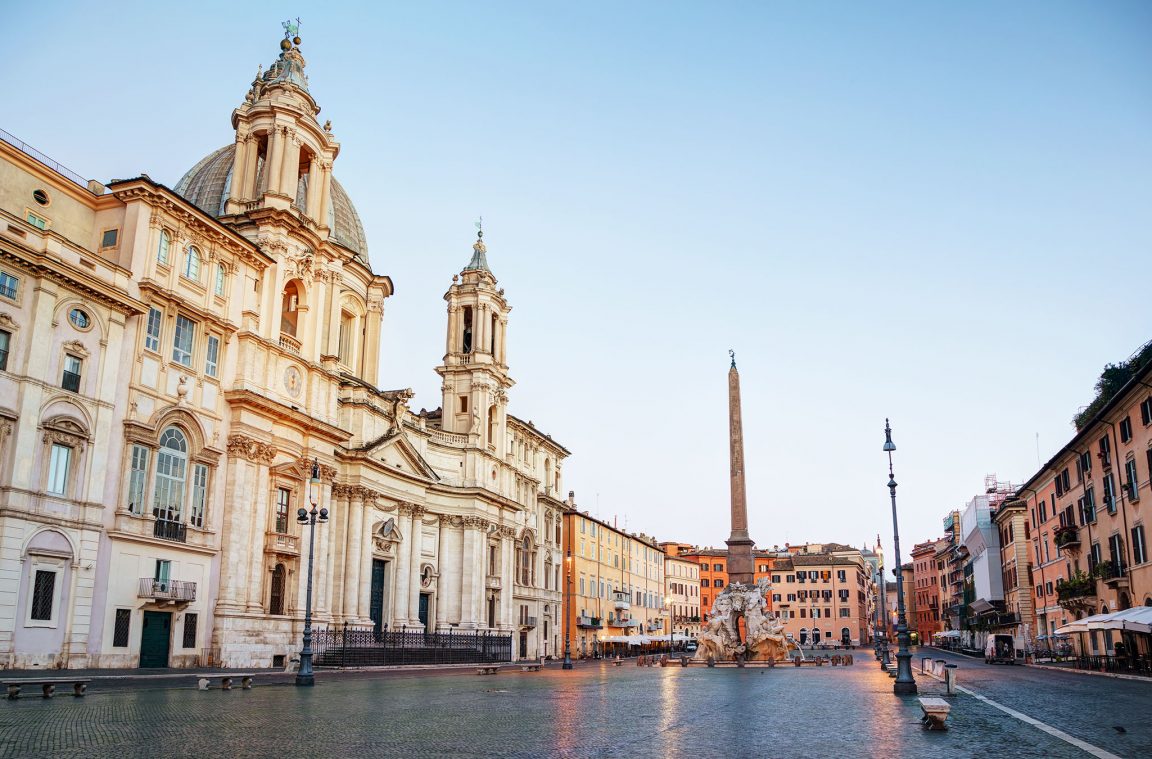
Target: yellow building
614, 587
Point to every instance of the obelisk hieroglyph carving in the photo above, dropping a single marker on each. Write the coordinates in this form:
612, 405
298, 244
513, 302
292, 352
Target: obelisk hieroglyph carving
740, 561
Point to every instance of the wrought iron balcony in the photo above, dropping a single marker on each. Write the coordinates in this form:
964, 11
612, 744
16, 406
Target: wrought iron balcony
589, 622
1067, 538
166, 590
527, 623
169, 530
70, 381
1114, 575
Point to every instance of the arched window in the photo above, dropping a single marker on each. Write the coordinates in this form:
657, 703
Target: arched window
171, 474
192, 264
276, 597
289, 313
162, 249
347, 327
492, 426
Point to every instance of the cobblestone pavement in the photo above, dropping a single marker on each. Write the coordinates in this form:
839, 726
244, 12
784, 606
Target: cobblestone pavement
1089, 707
595, 710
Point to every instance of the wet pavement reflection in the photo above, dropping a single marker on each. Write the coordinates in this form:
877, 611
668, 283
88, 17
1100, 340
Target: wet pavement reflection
594, 710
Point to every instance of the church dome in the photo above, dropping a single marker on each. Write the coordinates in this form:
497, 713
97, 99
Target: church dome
206, 185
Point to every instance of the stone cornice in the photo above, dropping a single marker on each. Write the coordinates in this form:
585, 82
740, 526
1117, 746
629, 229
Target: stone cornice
39, 264
284, 414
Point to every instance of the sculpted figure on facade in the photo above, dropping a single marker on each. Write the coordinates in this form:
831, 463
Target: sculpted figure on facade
253, 450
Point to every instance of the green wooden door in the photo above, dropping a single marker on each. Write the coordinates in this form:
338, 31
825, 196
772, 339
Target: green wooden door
155, 639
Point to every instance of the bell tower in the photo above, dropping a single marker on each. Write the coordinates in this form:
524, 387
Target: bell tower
283, 157
475, 368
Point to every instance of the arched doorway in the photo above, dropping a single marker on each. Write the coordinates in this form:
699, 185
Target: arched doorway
845, 636
803, 635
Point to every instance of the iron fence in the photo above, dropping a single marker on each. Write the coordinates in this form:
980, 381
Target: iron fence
349, 646
1132, 665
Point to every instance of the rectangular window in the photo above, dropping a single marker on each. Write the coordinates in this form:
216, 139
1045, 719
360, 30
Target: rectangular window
182, 342
152, 330
109, 238
213, 352
1109, 493
138, 478
37, 221
5, 341
162, 249
43, 589
1125, 429
190, 621
10, 286
1145, 407
219, 280
1084, 465
163, 572
1043, 511
58, 469
1133, 483
199, 495
1139, 547
284, 502
71, 378
463, 404
122, 627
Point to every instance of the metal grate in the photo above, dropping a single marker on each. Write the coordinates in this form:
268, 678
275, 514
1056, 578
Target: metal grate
42, 592
123, 625
190, 621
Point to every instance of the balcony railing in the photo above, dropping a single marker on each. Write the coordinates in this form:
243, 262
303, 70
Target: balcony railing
70, 381
1067, 537
169, 530
289, 343
591, 622
166, 590
279, 542
1113, 574
527, 623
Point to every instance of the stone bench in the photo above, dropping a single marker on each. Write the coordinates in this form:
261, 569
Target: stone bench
489, 669
935, 713
530, 667
204, 682
48, 685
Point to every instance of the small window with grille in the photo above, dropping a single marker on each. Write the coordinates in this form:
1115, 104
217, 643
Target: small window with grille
43, 590
190, 630
122, 627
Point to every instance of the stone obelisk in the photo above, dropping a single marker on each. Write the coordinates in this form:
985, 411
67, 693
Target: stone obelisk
740, 562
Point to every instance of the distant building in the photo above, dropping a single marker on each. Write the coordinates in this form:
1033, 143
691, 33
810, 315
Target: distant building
616, 586
681, 591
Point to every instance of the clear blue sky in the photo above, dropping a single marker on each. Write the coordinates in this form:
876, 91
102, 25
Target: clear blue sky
937, 212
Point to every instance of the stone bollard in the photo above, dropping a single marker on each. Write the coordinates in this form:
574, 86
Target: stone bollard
711, 661
683, 661
924, 664
203, 683
796, 660
950, 678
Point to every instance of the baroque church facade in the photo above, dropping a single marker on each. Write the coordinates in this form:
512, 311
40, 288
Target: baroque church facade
181, 358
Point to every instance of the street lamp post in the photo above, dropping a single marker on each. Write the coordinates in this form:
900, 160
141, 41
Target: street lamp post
905, 684
885, 659
310, 518
568, 614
